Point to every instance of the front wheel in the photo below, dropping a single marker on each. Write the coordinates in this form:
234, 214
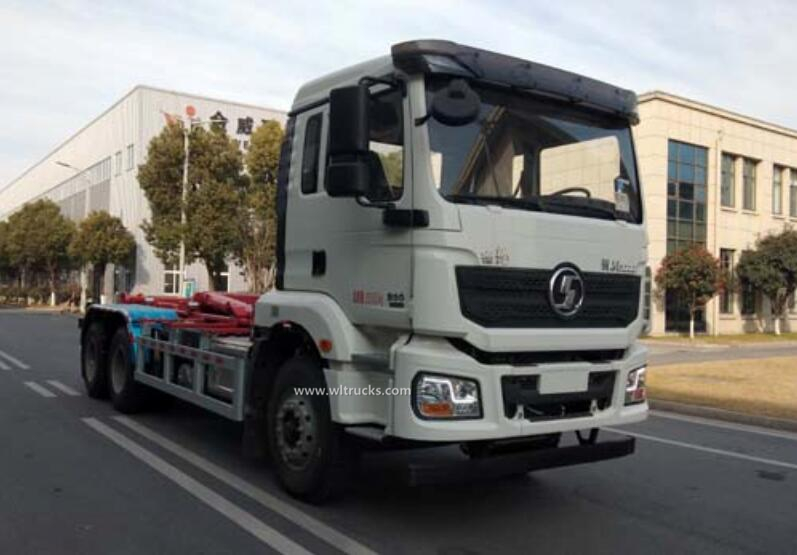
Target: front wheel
310, 455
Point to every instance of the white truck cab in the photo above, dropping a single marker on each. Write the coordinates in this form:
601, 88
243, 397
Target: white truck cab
460, 259
467, 226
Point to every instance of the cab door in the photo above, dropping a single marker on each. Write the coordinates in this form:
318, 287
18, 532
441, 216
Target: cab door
341, 246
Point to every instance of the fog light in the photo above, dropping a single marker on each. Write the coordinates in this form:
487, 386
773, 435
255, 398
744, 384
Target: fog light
446, 397
635, 390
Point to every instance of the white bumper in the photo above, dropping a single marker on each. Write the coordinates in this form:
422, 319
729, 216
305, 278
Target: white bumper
435, 355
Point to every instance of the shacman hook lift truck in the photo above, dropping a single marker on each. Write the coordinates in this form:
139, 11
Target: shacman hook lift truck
460, 260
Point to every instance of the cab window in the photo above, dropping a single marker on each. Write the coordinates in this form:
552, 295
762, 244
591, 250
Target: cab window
387, 145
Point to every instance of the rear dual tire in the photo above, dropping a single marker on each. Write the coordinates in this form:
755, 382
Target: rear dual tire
93, 362
127, 395
107, 369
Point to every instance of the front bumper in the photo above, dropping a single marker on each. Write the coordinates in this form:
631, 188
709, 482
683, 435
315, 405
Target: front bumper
488, 468
435, 355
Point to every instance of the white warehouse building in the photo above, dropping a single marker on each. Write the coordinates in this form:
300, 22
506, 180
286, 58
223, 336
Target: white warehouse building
96, 169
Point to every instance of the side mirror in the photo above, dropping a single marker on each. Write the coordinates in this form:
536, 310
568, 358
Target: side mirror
456, 104
348, 170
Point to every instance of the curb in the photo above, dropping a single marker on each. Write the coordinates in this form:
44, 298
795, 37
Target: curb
685, 346
726, 415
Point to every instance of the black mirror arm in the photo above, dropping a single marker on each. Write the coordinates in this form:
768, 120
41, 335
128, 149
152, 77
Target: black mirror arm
389, 81
423, 119
364, 202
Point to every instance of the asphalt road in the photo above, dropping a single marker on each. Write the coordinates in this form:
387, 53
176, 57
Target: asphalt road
74, 478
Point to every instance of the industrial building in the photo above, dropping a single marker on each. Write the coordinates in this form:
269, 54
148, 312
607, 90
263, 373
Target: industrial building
709, 175
96, 169
721, 179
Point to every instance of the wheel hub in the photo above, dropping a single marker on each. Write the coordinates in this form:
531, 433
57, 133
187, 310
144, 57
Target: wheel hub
296, 432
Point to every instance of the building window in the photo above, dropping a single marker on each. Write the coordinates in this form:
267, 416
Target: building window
726, 267
171, 279
748, 299
777, 190
224, 280
748, 184
793, 194
728, 187
686, 195
310, 156
131, 157
118, 163
686, 219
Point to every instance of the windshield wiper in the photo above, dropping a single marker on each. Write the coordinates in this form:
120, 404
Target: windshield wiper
576, 205
551, 204
511, 202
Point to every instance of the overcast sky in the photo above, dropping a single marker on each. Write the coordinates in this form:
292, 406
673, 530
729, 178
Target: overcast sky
64, 62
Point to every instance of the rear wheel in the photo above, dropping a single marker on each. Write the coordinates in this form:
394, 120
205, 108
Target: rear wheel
127, 395
93, 362
311, 458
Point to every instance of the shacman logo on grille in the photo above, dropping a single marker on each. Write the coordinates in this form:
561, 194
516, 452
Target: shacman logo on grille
566, 291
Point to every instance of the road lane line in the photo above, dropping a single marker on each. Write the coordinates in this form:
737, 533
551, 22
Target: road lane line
724, 425
4, 366
14, 360
731, 454
63, 388
41, 390
242, 518
288, 511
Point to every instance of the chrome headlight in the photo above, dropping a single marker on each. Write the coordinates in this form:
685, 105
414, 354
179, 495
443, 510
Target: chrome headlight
635, 390
445, 397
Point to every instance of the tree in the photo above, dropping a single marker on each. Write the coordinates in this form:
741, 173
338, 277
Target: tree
5, 262
215, 179
102, 239
38, 237
772, 269
161, 178
693, 274
258, 206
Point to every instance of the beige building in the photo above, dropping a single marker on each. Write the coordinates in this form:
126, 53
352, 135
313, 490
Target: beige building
718, 178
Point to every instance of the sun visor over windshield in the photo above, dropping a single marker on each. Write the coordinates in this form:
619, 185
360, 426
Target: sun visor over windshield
433, 56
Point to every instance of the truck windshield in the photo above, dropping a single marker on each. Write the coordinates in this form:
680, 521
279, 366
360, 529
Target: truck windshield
537, 155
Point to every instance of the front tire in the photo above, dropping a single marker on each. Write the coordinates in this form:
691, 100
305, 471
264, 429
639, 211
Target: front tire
93, 362
309, 453
127, 395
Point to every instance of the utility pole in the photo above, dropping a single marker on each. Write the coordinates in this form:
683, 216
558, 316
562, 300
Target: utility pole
83, 273
183, 216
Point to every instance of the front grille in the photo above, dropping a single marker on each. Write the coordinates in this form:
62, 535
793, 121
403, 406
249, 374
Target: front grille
523, 391
518, 298
529, 358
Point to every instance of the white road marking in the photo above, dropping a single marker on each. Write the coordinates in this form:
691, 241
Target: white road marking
41, 390
4, 366
242, 518
704, 449
725, 425
288, 511
14, 360
63, 388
